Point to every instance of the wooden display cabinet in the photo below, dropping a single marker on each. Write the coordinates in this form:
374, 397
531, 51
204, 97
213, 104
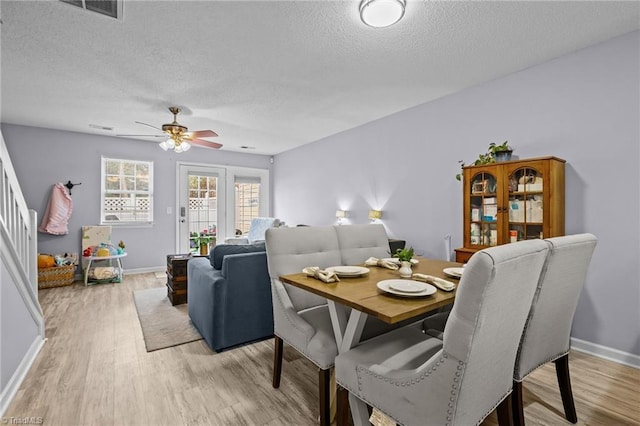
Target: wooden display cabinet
511, 201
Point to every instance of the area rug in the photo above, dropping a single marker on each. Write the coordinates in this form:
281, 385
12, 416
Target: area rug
163, 325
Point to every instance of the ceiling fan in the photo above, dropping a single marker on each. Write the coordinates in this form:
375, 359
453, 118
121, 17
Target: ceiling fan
179, 138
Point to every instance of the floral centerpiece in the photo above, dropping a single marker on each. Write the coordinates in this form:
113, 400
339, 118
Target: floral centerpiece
404, 256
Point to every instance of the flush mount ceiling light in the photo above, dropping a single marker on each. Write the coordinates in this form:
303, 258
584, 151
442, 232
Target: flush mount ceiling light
381, 13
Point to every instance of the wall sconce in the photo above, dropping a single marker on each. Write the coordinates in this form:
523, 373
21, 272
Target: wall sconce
375, 215
341, 214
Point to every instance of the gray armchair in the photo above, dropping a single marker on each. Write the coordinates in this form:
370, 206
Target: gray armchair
418, 379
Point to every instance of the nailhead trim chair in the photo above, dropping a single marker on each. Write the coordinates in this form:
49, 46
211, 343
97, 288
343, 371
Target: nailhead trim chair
418, 379
359, 242
547, 334
302, 319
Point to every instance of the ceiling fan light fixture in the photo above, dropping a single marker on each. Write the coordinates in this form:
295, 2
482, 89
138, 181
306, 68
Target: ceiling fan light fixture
179, 138
381, 13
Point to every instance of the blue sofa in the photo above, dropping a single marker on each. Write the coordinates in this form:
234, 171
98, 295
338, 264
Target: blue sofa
229, 295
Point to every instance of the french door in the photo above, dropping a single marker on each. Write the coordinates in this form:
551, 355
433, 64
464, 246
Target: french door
201, 205
218, 201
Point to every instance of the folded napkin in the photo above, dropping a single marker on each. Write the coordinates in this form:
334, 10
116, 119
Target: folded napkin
443, 285
372, 261
321, 274
378, 418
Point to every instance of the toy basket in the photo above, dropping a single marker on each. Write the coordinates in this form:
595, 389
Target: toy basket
58, 276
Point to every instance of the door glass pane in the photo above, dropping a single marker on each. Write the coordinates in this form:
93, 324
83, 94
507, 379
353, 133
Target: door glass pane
203, 211
247, 205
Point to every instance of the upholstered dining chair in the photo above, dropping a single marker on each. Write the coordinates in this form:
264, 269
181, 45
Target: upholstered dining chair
301, 319
359, 242
547, 331
418, 379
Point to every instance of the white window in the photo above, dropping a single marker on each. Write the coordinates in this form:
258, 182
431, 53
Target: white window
127, 192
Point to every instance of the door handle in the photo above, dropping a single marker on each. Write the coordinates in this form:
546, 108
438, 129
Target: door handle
183, 212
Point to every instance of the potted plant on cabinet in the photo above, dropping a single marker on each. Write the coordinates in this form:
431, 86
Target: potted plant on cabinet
501, 152
495, 153
404, 256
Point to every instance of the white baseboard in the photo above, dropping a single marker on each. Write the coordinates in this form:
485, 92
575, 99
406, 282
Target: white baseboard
145, 270
21, 372
605, 352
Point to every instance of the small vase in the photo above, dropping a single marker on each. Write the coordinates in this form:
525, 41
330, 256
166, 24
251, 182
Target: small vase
204, 249
405, 269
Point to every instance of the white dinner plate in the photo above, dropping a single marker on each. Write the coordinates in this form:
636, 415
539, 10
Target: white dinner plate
348, 271
453, 272
407, 286
395, 260
386, 285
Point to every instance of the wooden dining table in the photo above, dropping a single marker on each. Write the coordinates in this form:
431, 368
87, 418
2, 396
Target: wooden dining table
362, 295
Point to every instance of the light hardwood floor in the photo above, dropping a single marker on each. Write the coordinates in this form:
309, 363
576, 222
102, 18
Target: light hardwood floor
94, 370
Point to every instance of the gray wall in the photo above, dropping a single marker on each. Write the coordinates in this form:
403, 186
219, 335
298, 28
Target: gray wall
42, 157
18, 330
583, 107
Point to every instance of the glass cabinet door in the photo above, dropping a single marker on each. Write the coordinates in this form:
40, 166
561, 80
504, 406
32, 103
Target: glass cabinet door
526, 204
483, 210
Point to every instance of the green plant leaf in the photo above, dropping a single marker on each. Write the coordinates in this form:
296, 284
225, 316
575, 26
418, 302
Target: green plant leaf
488, 157
404, 254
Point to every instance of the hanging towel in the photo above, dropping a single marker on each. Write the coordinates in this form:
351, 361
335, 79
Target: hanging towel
58, 212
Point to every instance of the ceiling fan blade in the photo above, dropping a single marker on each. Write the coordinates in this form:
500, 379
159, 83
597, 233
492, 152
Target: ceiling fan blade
206, 144
145, 124
202, 134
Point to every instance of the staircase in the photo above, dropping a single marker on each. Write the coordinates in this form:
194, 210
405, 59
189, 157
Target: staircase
18, 280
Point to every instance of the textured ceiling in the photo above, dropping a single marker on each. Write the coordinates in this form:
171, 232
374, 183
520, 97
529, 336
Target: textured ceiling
271, 75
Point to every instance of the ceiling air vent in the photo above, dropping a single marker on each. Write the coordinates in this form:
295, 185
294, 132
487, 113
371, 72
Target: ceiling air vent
112, 8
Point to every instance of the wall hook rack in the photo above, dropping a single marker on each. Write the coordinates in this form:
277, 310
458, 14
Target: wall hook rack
71, 185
